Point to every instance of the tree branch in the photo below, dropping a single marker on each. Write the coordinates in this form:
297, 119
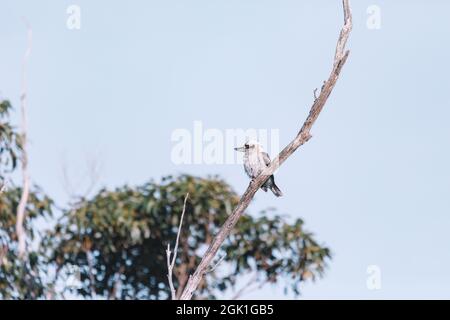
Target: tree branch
302, 137
171, 264
21, 236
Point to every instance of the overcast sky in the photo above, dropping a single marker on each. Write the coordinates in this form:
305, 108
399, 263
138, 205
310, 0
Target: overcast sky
374, 182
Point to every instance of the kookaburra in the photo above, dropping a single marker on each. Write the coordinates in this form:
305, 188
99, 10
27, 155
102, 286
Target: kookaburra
255, 161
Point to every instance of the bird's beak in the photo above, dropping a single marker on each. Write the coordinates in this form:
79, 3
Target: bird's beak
240, 149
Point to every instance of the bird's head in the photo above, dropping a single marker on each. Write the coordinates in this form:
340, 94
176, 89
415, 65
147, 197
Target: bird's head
250, 146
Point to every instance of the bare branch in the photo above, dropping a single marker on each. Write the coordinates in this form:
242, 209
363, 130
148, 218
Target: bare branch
171, 264
241, 291
94, 168
21, 236
302, 137
248, 288
169, 272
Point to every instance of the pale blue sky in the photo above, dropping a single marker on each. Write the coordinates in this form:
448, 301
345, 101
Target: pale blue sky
373, 183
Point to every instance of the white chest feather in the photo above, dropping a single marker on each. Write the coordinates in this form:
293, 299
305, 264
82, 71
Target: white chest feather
253, 164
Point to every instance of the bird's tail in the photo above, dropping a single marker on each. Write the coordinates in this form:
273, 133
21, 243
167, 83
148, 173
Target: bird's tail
276, 191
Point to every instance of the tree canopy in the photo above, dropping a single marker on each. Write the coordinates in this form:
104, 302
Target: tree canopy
118, 239
19, 278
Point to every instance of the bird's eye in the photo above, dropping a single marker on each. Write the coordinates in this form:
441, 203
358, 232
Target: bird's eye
246, 146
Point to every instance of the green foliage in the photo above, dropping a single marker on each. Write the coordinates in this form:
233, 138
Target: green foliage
10, 141
20, 278
118, 240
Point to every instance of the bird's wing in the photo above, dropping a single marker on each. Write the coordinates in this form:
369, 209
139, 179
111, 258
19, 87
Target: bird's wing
266, 158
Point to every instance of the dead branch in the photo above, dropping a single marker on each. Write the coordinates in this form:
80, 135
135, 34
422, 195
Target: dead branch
302, 137
171, 264
241, 291
21, 236
90, 178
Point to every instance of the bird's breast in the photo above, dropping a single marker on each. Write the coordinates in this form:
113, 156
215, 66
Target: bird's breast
253, 164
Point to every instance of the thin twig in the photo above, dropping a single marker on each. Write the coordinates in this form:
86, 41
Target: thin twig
216, 264
245, 286
315, 94
21, 236
3, 252
3, 187
302, 137
171, 264
92, 176
254, 288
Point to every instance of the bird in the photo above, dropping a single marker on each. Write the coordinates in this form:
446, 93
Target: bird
255, 161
